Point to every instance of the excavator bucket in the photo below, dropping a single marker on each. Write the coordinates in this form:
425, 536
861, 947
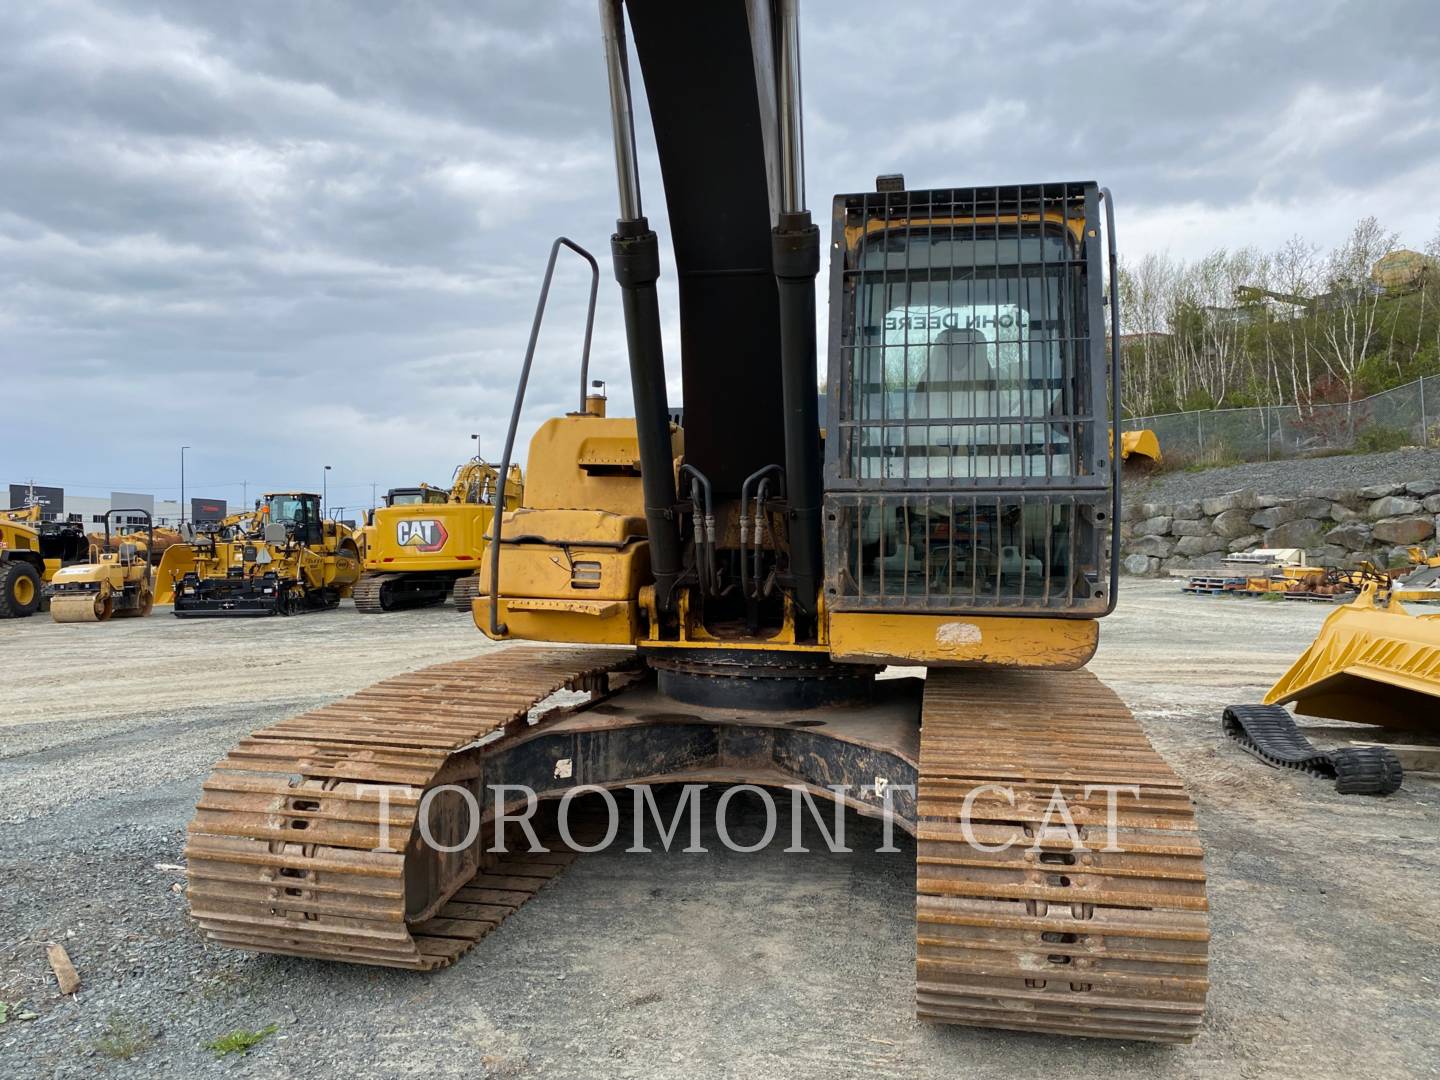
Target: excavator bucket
1142, 446
1369, 665
178, 560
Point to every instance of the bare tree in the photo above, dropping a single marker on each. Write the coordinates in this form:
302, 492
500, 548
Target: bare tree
1353, 300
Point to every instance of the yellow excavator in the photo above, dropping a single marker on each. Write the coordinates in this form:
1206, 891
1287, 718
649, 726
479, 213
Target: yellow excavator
425, 540
116, 581
32, 551
285, 558
720, 597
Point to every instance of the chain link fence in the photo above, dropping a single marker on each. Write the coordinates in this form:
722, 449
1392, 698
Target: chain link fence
1408, 415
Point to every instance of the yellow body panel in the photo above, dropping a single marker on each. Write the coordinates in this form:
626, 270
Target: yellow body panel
427, 536
588, 461
962, 640
1368, 665
574, 559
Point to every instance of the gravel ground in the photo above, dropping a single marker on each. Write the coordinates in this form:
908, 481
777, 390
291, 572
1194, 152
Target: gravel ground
1324, 959
1290, 477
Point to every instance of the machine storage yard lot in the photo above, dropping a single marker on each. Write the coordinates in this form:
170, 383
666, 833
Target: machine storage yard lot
1325, 953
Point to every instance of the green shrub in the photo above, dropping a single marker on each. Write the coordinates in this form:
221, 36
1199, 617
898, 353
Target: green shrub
1377, 440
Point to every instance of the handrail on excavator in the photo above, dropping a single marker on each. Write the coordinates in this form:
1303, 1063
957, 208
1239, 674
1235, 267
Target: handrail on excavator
498, 629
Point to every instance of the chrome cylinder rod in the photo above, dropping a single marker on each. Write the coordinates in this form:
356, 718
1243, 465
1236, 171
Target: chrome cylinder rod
792, 129
622, 117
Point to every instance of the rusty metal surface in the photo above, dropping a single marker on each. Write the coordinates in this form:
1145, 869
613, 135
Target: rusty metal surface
281, 852
1047, 937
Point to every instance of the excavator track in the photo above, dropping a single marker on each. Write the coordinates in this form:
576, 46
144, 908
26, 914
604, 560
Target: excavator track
467, 589
1269, 733
285, 853
375, 594
367, 593
1052, 935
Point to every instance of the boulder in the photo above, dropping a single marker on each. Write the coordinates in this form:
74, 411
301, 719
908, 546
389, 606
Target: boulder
1176, 562
1331, 556
1205, 544
1341, 513
1331, 494
1243, 543
1189, 510
1244, 499
1275, 515
1155, 526
1157, 546
1393, 506
1183, 527
1139, 565
1354, 535
1431, 504
1411, 529
1311, 507
1395, 556
1300, 533
1232, 523
1422, 487
1379, 491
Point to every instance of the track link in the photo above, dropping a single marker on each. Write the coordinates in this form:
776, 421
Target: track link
467, 590
285, 852
1269, 733
367, 593
1051, 935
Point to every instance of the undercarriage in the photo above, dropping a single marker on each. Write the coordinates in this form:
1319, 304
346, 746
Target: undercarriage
308, 839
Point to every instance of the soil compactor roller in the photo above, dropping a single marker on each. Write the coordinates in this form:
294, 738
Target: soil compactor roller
284, 559
116, 581
723, 596
425, 540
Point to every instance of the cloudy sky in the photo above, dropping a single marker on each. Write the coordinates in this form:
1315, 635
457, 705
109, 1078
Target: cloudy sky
291, 234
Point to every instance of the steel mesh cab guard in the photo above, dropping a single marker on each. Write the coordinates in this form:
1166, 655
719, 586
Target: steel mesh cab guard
968, 465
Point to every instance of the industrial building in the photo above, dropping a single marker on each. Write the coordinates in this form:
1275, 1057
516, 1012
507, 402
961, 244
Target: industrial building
90, 510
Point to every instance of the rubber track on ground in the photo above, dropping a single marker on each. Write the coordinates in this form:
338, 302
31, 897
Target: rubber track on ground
1269, 732
1054, 935
282, 852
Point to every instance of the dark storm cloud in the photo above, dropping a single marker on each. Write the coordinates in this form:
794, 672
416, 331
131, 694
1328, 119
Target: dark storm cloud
290, 234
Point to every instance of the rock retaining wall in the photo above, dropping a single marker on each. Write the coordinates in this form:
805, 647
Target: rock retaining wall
1340, 527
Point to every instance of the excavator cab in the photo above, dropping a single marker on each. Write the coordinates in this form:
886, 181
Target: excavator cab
967, 463
415, 496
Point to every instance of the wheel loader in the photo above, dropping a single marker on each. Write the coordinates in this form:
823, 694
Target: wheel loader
115, 582
720, 597
283, 559
32, 551
424, 540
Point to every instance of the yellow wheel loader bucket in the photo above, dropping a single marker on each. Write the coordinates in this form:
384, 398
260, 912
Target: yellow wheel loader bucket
1369, 665
178, 560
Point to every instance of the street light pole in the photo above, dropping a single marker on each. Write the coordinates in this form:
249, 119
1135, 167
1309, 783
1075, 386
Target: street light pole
182, 483
324, 489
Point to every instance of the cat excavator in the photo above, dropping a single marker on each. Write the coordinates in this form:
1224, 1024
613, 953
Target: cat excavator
719, 597
426, 540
